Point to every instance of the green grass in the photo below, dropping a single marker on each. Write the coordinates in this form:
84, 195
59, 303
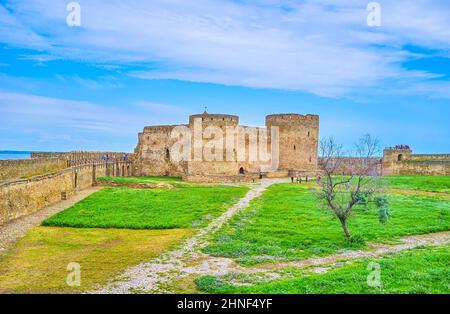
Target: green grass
174, 181
288, 223
38, 262
421, 183
141, 179
422, 270
148, 209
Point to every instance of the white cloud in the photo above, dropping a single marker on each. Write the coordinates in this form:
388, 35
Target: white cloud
323, 47
38, 112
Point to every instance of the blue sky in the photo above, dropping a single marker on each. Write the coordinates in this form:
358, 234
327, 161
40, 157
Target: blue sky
137, 63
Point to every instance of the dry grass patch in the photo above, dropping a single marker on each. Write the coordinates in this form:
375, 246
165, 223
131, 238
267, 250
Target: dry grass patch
38, 262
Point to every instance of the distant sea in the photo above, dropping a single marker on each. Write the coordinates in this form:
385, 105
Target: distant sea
14, 155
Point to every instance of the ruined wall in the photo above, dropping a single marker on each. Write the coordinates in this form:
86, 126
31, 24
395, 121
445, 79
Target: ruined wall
22, 197
403, 161
25, 168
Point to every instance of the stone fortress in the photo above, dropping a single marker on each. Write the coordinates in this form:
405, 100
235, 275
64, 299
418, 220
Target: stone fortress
297, 149
29, 185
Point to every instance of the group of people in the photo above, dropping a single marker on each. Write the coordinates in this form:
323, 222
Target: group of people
107, 157
299, 180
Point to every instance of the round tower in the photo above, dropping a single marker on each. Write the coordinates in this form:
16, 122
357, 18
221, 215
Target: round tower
298, 141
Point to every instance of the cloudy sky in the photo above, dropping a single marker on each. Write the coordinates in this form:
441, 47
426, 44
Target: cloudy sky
135, 63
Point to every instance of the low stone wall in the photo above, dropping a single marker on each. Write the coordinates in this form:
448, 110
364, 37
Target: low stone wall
411, 167
22, 197
347, 164
25, 168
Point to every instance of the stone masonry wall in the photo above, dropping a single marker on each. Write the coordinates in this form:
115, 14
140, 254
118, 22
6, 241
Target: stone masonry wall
346, 164
24, 168
22, 197
402, 162
432, 168
298, 147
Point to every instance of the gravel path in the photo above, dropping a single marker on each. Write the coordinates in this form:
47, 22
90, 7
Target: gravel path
16, 229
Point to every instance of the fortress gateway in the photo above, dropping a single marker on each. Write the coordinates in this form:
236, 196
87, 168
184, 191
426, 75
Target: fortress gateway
296, 150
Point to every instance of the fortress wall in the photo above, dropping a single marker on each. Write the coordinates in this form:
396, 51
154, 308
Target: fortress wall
429, 157
81, 155
22, 168
23, 197
346, 164
249, 164
432, 168
403, 161
298, 147
152, 154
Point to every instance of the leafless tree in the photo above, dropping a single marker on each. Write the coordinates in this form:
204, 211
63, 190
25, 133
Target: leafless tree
347, 181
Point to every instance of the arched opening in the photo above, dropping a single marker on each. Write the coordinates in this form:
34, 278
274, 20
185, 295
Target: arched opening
167, 157
295, 147
309, 133
400, 157
241, 170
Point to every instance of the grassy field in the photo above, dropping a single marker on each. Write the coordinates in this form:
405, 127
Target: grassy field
420, 183
422, 270
174, 181
141, 179
288, 223
38, 262
149, 209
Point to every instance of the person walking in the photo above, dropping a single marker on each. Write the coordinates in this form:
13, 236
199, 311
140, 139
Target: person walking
292, 179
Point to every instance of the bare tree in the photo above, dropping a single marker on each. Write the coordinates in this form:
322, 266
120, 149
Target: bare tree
348, 181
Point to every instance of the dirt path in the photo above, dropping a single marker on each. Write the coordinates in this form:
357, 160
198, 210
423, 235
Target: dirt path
16, 229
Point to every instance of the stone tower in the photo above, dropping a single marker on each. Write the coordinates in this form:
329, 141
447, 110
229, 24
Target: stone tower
391, 156
298, 142
220, 165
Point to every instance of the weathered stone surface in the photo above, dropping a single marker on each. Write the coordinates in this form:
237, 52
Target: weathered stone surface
403, 161
298, 145
14, 169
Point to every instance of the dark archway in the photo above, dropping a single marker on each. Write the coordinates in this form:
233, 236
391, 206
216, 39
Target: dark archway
241, 170
167, 156
400, 157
